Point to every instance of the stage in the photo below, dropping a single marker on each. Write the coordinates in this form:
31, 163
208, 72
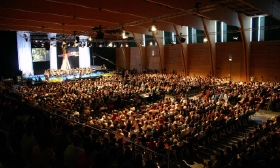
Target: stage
93, 75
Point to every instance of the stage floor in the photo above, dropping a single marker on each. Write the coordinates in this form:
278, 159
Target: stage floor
95, 74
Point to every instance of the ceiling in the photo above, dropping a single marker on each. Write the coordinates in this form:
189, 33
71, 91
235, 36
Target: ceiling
136, 16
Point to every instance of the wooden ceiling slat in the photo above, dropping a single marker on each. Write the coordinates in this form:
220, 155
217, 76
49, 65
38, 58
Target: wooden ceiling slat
82, 15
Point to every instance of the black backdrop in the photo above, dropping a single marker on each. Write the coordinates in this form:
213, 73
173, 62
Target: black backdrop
9, 56
40, 67
106, 52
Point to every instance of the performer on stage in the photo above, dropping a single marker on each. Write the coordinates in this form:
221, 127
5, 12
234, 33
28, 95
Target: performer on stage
103, 67
65, 62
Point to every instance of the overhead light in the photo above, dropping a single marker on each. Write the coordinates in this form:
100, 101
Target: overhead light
110, 44
124, 35
153, 28
151, 43
230, 57
235, 37
126, 45
89, 39
205, 40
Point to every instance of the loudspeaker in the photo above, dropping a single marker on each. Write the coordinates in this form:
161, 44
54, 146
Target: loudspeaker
77, 39
182, 39
100, 35
47, 45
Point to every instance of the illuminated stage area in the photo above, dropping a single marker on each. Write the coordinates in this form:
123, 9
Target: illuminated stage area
61, 78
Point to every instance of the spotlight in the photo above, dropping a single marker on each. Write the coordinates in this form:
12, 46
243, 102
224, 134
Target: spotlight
25, 37
151, 43
83, 45
124, 35
77, 39
89, 44
110, 44
89, 39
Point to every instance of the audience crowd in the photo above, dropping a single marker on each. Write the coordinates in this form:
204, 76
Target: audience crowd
135, 121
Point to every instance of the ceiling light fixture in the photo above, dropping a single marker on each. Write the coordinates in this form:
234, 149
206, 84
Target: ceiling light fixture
25, 37
235, 37
205, 40
153, 28
110, 44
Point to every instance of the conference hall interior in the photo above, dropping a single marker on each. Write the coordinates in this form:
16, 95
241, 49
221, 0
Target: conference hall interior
139, 84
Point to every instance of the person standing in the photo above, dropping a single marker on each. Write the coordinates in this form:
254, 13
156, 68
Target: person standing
65, 62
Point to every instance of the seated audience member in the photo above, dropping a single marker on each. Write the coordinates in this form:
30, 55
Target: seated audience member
42, 155
7, 154
73, 151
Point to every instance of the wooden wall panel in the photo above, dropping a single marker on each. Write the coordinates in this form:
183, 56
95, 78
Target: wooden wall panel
223, 66
135, 59
144, 65
173, 59
198, 60
122, 58
152, 58
265, 60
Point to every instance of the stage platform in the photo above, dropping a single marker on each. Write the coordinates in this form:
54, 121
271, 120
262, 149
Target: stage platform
93, 75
